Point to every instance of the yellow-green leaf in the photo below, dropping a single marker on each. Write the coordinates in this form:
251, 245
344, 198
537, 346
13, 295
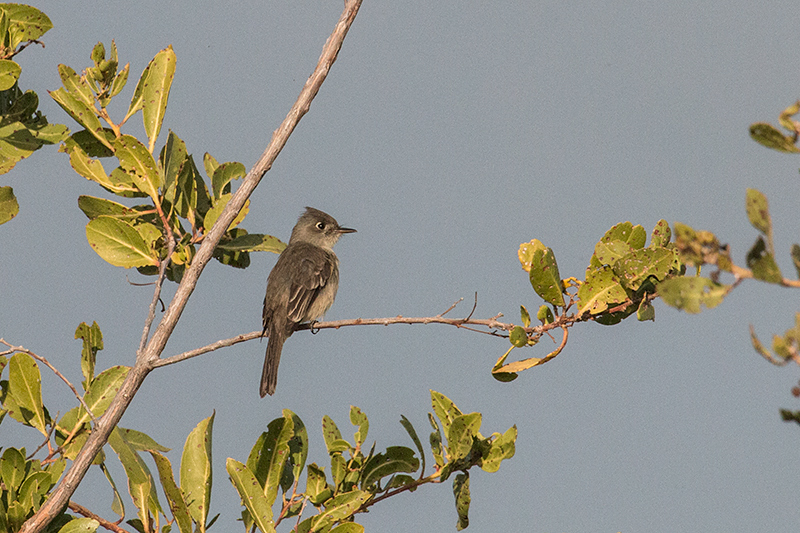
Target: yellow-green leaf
196, 473
25, 387
155, 93
9, 74
118, 243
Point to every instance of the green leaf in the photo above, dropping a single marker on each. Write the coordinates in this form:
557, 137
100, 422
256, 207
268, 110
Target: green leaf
640, 265
140, 482
413, 434
210, 164
26, 23
545, 315
155, 92
104, 387
276, 454
359, 419
141, 442
396, 459
796, 258
253, 242
461, 492
763, 264
89, 143
92, 339
661, 234
172, 159
340, 508
600, 290
348, 527
119, 243
218, 207
461, 433
435, 440
690, 293
518, 337
173, 493
317, 488
298, 444
503, 447
445, 410
12, 470
609, 252
250, 492
769, 136
332, 436
545, 278
138, 162
196, 474
81, 113
25, 388
89, 168
758, 211
80, 525
9, 74
525, 316
119, 81
75, 85
94, 207
646, 311
9, 207
223, 174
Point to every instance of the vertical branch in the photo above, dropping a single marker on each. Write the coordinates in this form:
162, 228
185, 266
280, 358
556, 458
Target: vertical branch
145, 360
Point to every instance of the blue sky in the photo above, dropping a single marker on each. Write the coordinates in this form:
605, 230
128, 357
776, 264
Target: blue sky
448, 133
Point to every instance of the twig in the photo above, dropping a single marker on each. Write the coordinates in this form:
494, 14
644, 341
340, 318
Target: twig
151, 311
452, 307
474, 306
81, 510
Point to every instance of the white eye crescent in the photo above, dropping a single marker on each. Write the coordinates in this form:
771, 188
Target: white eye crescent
320, 225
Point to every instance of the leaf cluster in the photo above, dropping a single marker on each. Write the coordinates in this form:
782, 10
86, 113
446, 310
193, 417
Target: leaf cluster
358, 478
181, 205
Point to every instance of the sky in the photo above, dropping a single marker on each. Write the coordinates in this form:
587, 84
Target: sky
448, 133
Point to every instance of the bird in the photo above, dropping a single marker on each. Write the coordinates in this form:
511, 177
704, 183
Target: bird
301, 286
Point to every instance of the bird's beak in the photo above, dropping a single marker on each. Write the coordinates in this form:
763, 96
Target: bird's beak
346, 230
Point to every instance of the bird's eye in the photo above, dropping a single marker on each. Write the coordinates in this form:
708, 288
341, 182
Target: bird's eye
320, 226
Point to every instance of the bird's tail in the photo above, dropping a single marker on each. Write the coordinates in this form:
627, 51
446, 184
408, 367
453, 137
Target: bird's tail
269, 376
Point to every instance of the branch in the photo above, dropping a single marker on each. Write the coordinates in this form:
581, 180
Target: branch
81, 510
145, 359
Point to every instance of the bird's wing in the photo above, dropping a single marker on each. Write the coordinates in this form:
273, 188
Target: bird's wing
312, 275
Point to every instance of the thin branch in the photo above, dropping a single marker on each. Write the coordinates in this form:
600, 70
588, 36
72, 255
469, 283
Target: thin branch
55, 371
151, 311
81, 510
452, 306
146, 357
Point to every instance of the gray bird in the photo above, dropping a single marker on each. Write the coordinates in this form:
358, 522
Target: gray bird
301, 286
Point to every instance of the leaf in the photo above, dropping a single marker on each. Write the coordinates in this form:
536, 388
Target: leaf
253, 242
445, 409
769, 136
25, 388
26, 23
75, 85
763, 264
173, 157
359, 419
461, 433
413, 434
276, 454
9, 74
155, 93
690, 293
646, 311
12, 470
298, 444
250, 492
518, 337
81, 113
140, 482
340, 508
600, 290
142, 442
173, 493
119, 243
461, 492
758, 211
94, 207
223, 175
395, 459
9, 207
661, 234
92, 339
524, 316
80, 525
796, 258
317, 488
196, 473
640, 265
545, 278
332, 436
503, 447
219, 206
138, 162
